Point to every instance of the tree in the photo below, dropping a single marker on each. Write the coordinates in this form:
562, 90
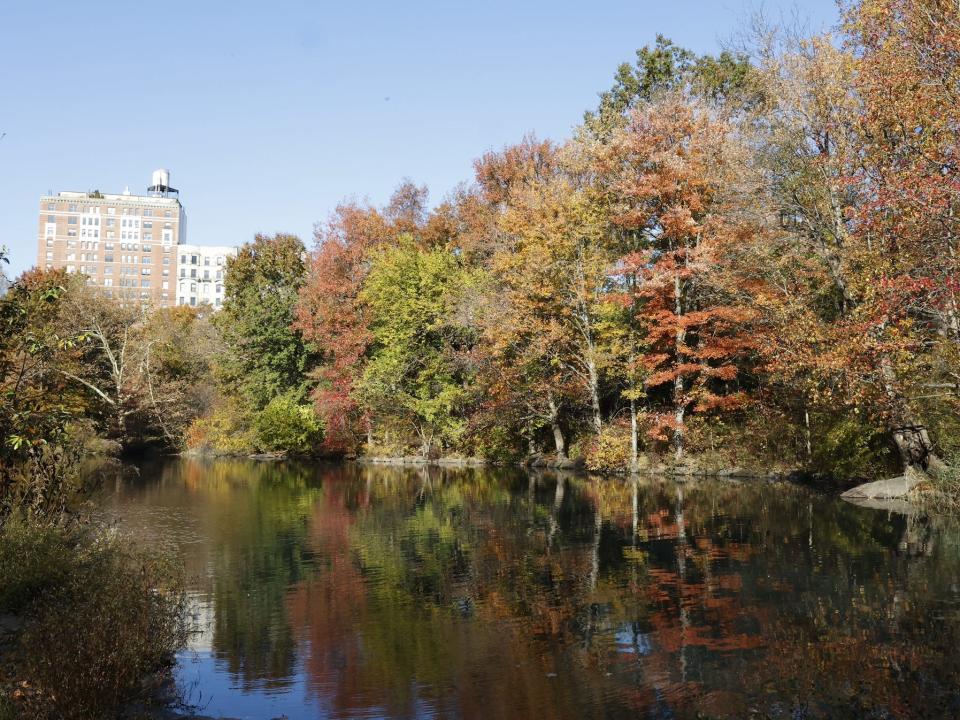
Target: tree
38, 403
412, 379
666, 171
665, 68
330, 313
263, 354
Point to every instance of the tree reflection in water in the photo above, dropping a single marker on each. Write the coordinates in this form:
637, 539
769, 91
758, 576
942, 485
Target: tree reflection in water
418, 592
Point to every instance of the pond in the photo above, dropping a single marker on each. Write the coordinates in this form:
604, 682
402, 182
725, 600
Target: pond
345, 591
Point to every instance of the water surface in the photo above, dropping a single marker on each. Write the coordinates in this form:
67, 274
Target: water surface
337, 591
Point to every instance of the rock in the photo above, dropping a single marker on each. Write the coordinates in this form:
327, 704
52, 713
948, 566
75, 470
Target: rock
268, 456
897, 487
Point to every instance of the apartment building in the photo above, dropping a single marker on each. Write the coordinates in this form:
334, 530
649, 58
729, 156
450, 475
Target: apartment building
200, 273
133, 247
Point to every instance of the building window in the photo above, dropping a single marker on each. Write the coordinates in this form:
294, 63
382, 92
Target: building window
72, 208
193, 272
49, 255
166, 285
206, 261
108, 258
144, 283
108, 282
183, 272
193, 301
194, 260
219, 289
72, 220
166, 261
147, 248
206, 274
50, 206
219, 274
193, 287
166, 213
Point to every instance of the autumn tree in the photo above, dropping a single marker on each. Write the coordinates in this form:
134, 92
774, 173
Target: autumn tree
904, 218
667, 171
330, 313
38, 402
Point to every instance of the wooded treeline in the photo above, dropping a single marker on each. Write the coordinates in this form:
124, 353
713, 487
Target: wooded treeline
752, 255
748, 256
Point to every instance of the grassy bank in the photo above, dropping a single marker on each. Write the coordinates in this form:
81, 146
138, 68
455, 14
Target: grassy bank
84, 622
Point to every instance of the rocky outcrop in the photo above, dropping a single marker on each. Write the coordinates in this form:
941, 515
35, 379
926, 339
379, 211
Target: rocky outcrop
890, 489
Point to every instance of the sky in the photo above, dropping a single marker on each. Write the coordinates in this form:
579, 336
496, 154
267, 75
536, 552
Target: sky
268, 114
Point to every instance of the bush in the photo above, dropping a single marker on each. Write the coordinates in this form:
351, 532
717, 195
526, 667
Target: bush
95, 621
846, 447
286, 425
223, 433
610, 452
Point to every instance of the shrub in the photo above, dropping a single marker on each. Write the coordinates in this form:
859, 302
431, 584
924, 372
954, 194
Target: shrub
610, 452
847, 447
286, 425
96, 620
223, 433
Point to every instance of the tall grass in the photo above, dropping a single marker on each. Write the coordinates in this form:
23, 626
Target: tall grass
94, 620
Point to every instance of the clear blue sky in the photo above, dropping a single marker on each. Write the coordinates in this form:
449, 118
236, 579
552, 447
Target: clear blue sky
270, 113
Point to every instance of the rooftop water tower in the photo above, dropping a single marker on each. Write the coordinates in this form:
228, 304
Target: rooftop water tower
161, 184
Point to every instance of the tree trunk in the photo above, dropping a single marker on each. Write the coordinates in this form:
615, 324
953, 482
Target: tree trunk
678, 401
909, 434
633, 436
558, 438
594, 393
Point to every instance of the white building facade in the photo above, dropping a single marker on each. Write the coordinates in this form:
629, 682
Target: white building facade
201, 270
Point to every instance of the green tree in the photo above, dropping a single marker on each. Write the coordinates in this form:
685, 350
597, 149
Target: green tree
263, 357
413, 380
285, 424
664, 67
